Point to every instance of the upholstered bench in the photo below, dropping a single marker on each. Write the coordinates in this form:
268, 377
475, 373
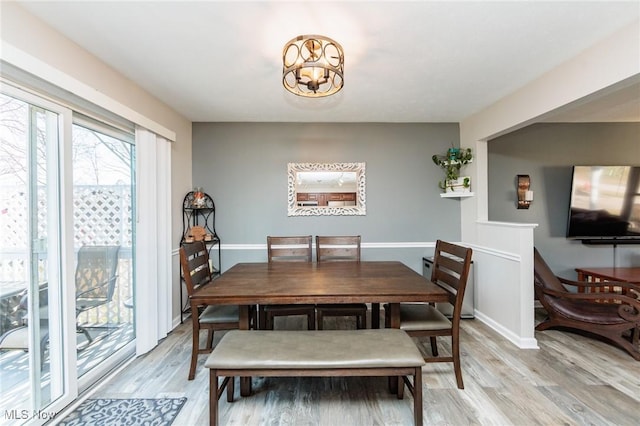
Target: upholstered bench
378, 352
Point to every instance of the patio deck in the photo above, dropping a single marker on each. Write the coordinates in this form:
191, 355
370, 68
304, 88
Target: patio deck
14, 365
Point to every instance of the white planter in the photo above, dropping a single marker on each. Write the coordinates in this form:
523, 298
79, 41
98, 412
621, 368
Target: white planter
457, 186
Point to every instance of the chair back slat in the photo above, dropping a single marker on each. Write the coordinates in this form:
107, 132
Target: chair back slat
289, 249
338, 248
194, 259
451, 272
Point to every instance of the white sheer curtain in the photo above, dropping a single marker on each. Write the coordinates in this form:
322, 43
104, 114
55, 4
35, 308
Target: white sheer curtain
153, 239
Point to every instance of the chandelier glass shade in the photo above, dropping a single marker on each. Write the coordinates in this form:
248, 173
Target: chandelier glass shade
312, 66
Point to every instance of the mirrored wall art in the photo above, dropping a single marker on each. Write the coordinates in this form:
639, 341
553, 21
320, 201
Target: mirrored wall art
321, 189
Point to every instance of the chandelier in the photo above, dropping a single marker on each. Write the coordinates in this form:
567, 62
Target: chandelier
312, 66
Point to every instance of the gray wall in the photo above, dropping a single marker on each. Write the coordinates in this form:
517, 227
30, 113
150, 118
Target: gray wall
243, 166
546, 152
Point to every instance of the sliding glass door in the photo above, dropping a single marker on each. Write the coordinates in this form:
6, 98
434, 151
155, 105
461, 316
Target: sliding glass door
66, 254
103, 200
32, 347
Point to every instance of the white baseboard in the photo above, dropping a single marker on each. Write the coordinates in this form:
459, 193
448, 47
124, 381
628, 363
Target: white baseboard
520, 342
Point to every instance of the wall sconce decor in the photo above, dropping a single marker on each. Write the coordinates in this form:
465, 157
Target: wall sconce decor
525, 195
312, 66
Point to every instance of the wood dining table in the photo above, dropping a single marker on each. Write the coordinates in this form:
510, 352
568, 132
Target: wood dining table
375, 282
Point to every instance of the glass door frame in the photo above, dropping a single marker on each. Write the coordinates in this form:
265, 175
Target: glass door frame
115, 360
60, 264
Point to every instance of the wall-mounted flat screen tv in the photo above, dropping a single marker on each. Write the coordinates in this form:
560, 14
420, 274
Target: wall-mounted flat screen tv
605, 202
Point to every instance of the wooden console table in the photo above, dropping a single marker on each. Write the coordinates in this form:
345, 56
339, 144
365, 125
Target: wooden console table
627, 275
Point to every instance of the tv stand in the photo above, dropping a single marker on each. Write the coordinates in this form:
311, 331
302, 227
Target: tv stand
610, 241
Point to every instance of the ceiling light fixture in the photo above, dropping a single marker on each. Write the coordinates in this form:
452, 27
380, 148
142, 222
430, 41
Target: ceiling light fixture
312, 66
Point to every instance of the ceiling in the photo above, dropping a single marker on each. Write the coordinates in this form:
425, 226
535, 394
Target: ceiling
405, 61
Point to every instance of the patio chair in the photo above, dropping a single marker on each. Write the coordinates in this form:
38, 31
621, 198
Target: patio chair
17, 338
95, 285
96, 276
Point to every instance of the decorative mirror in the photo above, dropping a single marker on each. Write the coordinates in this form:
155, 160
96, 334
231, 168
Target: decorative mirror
322, 189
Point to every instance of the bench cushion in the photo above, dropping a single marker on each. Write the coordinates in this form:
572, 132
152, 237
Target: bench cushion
260, 349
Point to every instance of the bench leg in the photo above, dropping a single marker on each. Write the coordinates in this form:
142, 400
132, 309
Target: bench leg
213, 397
417, 396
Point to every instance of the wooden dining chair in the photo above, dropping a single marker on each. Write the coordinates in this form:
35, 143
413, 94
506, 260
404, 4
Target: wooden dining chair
340, 249
288, 249
451, 265
194, 259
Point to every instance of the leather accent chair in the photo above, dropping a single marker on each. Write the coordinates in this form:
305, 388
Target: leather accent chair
608, 310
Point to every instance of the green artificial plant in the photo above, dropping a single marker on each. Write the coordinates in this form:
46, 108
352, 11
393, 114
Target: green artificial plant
451, 163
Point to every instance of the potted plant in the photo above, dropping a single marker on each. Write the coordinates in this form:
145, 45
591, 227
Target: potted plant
451, 163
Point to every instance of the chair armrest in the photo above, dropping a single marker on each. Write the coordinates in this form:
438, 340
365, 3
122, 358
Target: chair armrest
596, 284
628, 307
597, 297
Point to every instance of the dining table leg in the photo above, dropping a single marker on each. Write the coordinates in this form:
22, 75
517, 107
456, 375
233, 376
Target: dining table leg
245, 319
375, 315
394, 315
394, 322
245, 322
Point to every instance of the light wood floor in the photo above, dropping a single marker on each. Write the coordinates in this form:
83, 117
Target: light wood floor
570, 380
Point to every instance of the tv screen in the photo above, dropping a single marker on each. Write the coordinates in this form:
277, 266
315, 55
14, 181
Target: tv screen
605, 202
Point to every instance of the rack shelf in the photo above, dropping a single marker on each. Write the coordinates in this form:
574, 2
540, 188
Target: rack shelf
200, 211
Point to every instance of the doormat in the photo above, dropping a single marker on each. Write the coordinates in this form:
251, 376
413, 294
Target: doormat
136, 411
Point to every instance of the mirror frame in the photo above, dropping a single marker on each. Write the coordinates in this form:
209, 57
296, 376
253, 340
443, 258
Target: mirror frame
360, 209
